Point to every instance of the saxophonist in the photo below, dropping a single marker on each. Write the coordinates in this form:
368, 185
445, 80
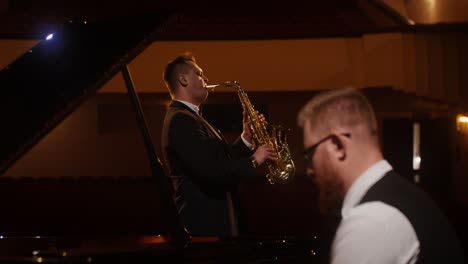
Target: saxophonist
204, 168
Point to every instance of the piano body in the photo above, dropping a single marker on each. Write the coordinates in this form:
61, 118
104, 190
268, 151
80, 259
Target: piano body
45, 85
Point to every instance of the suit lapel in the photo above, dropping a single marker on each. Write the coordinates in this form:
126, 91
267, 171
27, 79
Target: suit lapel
215, 131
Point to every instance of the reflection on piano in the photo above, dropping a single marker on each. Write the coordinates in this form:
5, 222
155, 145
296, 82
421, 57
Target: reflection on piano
42, 87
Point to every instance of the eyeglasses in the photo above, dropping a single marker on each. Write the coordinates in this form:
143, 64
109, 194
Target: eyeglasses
310, 151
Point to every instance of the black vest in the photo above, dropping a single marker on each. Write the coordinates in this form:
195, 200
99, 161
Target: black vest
438, 240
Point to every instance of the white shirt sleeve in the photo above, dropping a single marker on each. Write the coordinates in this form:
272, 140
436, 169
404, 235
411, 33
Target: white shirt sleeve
375, 232
248, 144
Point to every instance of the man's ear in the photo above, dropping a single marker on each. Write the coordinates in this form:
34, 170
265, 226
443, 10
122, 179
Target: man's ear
183, 80
340, 148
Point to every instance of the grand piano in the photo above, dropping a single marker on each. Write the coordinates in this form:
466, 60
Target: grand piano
55, 77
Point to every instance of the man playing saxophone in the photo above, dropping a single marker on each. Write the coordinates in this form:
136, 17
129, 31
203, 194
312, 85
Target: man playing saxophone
204, 168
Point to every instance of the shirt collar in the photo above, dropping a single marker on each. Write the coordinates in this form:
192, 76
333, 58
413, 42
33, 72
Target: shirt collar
360, 187
190, 105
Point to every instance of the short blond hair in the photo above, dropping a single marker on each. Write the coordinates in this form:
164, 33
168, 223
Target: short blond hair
346, 107
176, 66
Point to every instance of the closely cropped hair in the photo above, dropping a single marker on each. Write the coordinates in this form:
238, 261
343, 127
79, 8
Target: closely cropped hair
345, 107
173, 68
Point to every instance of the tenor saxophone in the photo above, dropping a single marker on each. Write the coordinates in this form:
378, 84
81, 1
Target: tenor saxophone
282, 170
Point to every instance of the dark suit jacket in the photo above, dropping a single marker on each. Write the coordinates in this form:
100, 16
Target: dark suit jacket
204, 168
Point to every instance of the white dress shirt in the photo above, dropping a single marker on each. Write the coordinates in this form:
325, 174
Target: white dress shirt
373, 232
190, 105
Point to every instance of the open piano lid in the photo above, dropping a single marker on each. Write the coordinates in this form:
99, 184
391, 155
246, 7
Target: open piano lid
46, 84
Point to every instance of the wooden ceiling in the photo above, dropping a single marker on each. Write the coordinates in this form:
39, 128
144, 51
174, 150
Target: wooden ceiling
217, 20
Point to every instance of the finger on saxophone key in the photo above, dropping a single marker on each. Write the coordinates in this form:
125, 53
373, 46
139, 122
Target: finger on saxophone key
263, 153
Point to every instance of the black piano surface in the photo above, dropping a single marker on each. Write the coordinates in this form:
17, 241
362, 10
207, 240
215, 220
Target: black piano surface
42, 87
155, 249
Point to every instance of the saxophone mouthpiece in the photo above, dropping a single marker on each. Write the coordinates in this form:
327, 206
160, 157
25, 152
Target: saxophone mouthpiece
211, 87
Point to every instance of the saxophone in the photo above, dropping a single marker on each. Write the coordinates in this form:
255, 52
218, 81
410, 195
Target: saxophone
282, 170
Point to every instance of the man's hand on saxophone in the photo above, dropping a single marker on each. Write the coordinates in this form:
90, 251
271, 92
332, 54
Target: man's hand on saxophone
263, 152
247, 133
256, 133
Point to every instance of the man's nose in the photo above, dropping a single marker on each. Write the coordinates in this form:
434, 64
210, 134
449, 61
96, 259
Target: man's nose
205, 78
